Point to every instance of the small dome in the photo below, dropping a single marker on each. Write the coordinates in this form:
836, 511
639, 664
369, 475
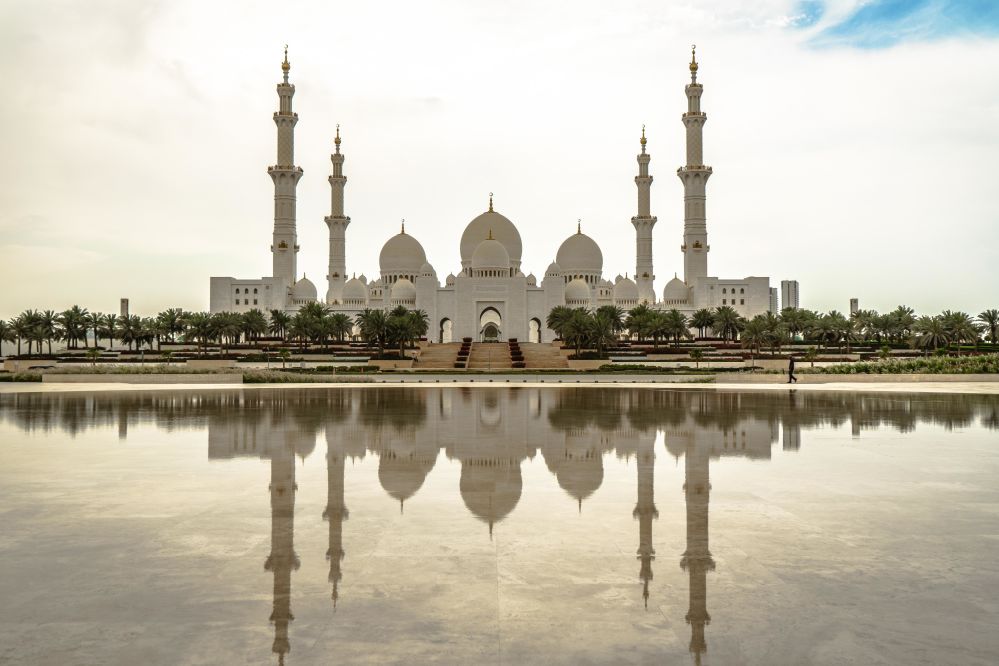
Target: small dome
426, 270
554, 270
502, 230
403, 290
304, 290
580, 254
449, 280
532, 281
491, 253
626, 290
363, 279
675, 290
354, 290
402, 254
577, 291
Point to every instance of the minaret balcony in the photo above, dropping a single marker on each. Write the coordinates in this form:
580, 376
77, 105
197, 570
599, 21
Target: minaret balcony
694, 114
694, 168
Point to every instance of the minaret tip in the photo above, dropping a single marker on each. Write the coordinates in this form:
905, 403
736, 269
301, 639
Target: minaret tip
693, 63
285, 66
579, 226
403, 230
643, 140
336, 141
490, 202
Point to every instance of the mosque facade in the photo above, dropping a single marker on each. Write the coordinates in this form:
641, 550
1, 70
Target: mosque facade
489, 296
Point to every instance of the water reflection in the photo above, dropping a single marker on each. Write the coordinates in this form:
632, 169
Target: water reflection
490, 433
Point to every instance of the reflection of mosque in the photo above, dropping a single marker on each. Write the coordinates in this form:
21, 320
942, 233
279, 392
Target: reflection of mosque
490, 432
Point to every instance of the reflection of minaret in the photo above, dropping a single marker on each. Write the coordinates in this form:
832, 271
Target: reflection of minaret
336, 512
697, 559
282, 558
646, 511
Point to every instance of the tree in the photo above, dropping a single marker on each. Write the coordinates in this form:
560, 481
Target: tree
702, 320
110, 328
577, 329
95, 322
558, 318
227, 327
279, 323
603, 326
697, 355
990, 320
48, 323
254, 324
21, 326
754, 335
93, 355
6, 332
198, 327
675, 325
796, 320
373, 327
727, 323
960, 328
74, 325
340, 326
811, 354
639, 321
171, 323
931, 331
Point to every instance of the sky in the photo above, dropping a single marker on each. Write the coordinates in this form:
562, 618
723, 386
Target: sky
855, 145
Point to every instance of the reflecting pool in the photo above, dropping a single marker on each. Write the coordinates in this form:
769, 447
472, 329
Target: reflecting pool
578, 525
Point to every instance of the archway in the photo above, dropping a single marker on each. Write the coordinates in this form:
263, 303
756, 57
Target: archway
446, 329
534, 330
490, 325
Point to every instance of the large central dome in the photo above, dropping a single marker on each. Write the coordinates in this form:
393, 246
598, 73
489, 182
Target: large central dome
502, 230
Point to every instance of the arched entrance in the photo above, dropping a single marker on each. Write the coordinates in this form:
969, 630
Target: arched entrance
445, 332
534, 330
490, 325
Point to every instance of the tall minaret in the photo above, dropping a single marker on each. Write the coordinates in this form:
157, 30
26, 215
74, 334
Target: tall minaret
697, 560
336, 512
646, 512
695, 177
285, 175
282, 559
644, 221
337, 222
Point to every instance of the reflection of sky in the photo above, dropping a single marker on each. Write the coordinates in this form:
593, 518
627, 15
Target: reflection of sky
882, 23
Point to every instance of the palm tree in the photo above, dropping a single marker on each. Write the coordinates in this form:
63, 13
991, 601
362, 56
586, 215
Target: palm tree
227, 327
702, 320
754, 334
48, 323
603, 327
110, 328
931, 331
811, 354
675, 325
776, 331
558, 318
796, 320
697, 355
198, 328
372, 324
340, 325
171, 322
95, 323
21, 326
903, 318
74, 325
254, 324
639, 320
990, 319
960, 328
6, 333
576, 329
131, 330
93, 355
279, 323
726, 322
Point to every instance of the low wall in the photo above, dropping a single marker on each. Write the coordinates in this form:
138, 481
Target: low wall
390, 365
209, 364
150, 378
593, 364
11, 365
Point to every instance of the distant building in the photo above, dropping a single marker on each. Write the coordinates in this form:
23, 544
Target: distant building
124, 307
789, 293
774, 304
854, 306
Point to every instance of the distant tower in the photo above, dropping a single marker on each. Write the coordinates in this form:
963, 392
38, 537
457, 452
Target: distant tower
283, 559
695, 177
774, 303
643, 222
337, 222
854, 306
697, 560
124, 307
789, 294
285, 175
646, 512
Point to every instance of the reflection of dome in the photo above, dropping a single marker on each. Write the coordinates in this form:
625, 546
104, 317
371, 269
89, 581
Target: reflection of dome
403, 290
502, 230
580, 477
675, 290
402, 476
490, 491
402, 254
626, 290
579, 254
491, 253
304, 290
577, 291
354, 290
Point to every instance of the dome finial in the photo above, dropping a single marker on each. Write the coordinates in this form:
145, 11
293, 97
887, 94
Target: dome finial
285, 66
643, 138
490, 202
403, 230
490, 236
337, 139
579, 226
693, 63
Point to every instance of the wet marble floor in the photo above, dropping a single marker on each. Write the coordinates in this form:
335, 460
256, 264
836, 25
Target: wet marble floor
498, 525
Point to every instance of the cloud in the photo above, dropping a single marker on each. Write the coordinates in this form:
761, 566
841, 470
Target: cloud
883, 23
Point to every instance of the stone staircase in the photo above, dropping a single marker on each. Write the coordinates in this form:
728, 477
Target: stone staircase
438, 356
489, 356
542, 356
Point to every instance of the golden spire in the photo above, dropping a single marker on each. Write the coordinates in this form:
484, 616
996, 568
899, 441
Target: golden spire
643, 134
693, 63
579, 226
490, 236
403, 226
285, 66
490, 202
337, 139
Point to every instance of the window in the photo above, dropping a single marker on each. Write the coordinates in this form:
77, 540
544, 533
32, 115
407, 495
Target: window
723, 301
742, 301
742, 291
254, 290
246, 301
254, 301
724, 291
237, 290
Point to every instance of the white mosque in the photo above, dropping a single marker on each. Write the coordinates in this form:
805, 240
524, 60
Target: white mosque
490, 297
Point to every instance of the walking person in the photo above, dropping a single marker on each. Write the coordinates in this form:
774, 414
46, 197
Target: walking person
790, 371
